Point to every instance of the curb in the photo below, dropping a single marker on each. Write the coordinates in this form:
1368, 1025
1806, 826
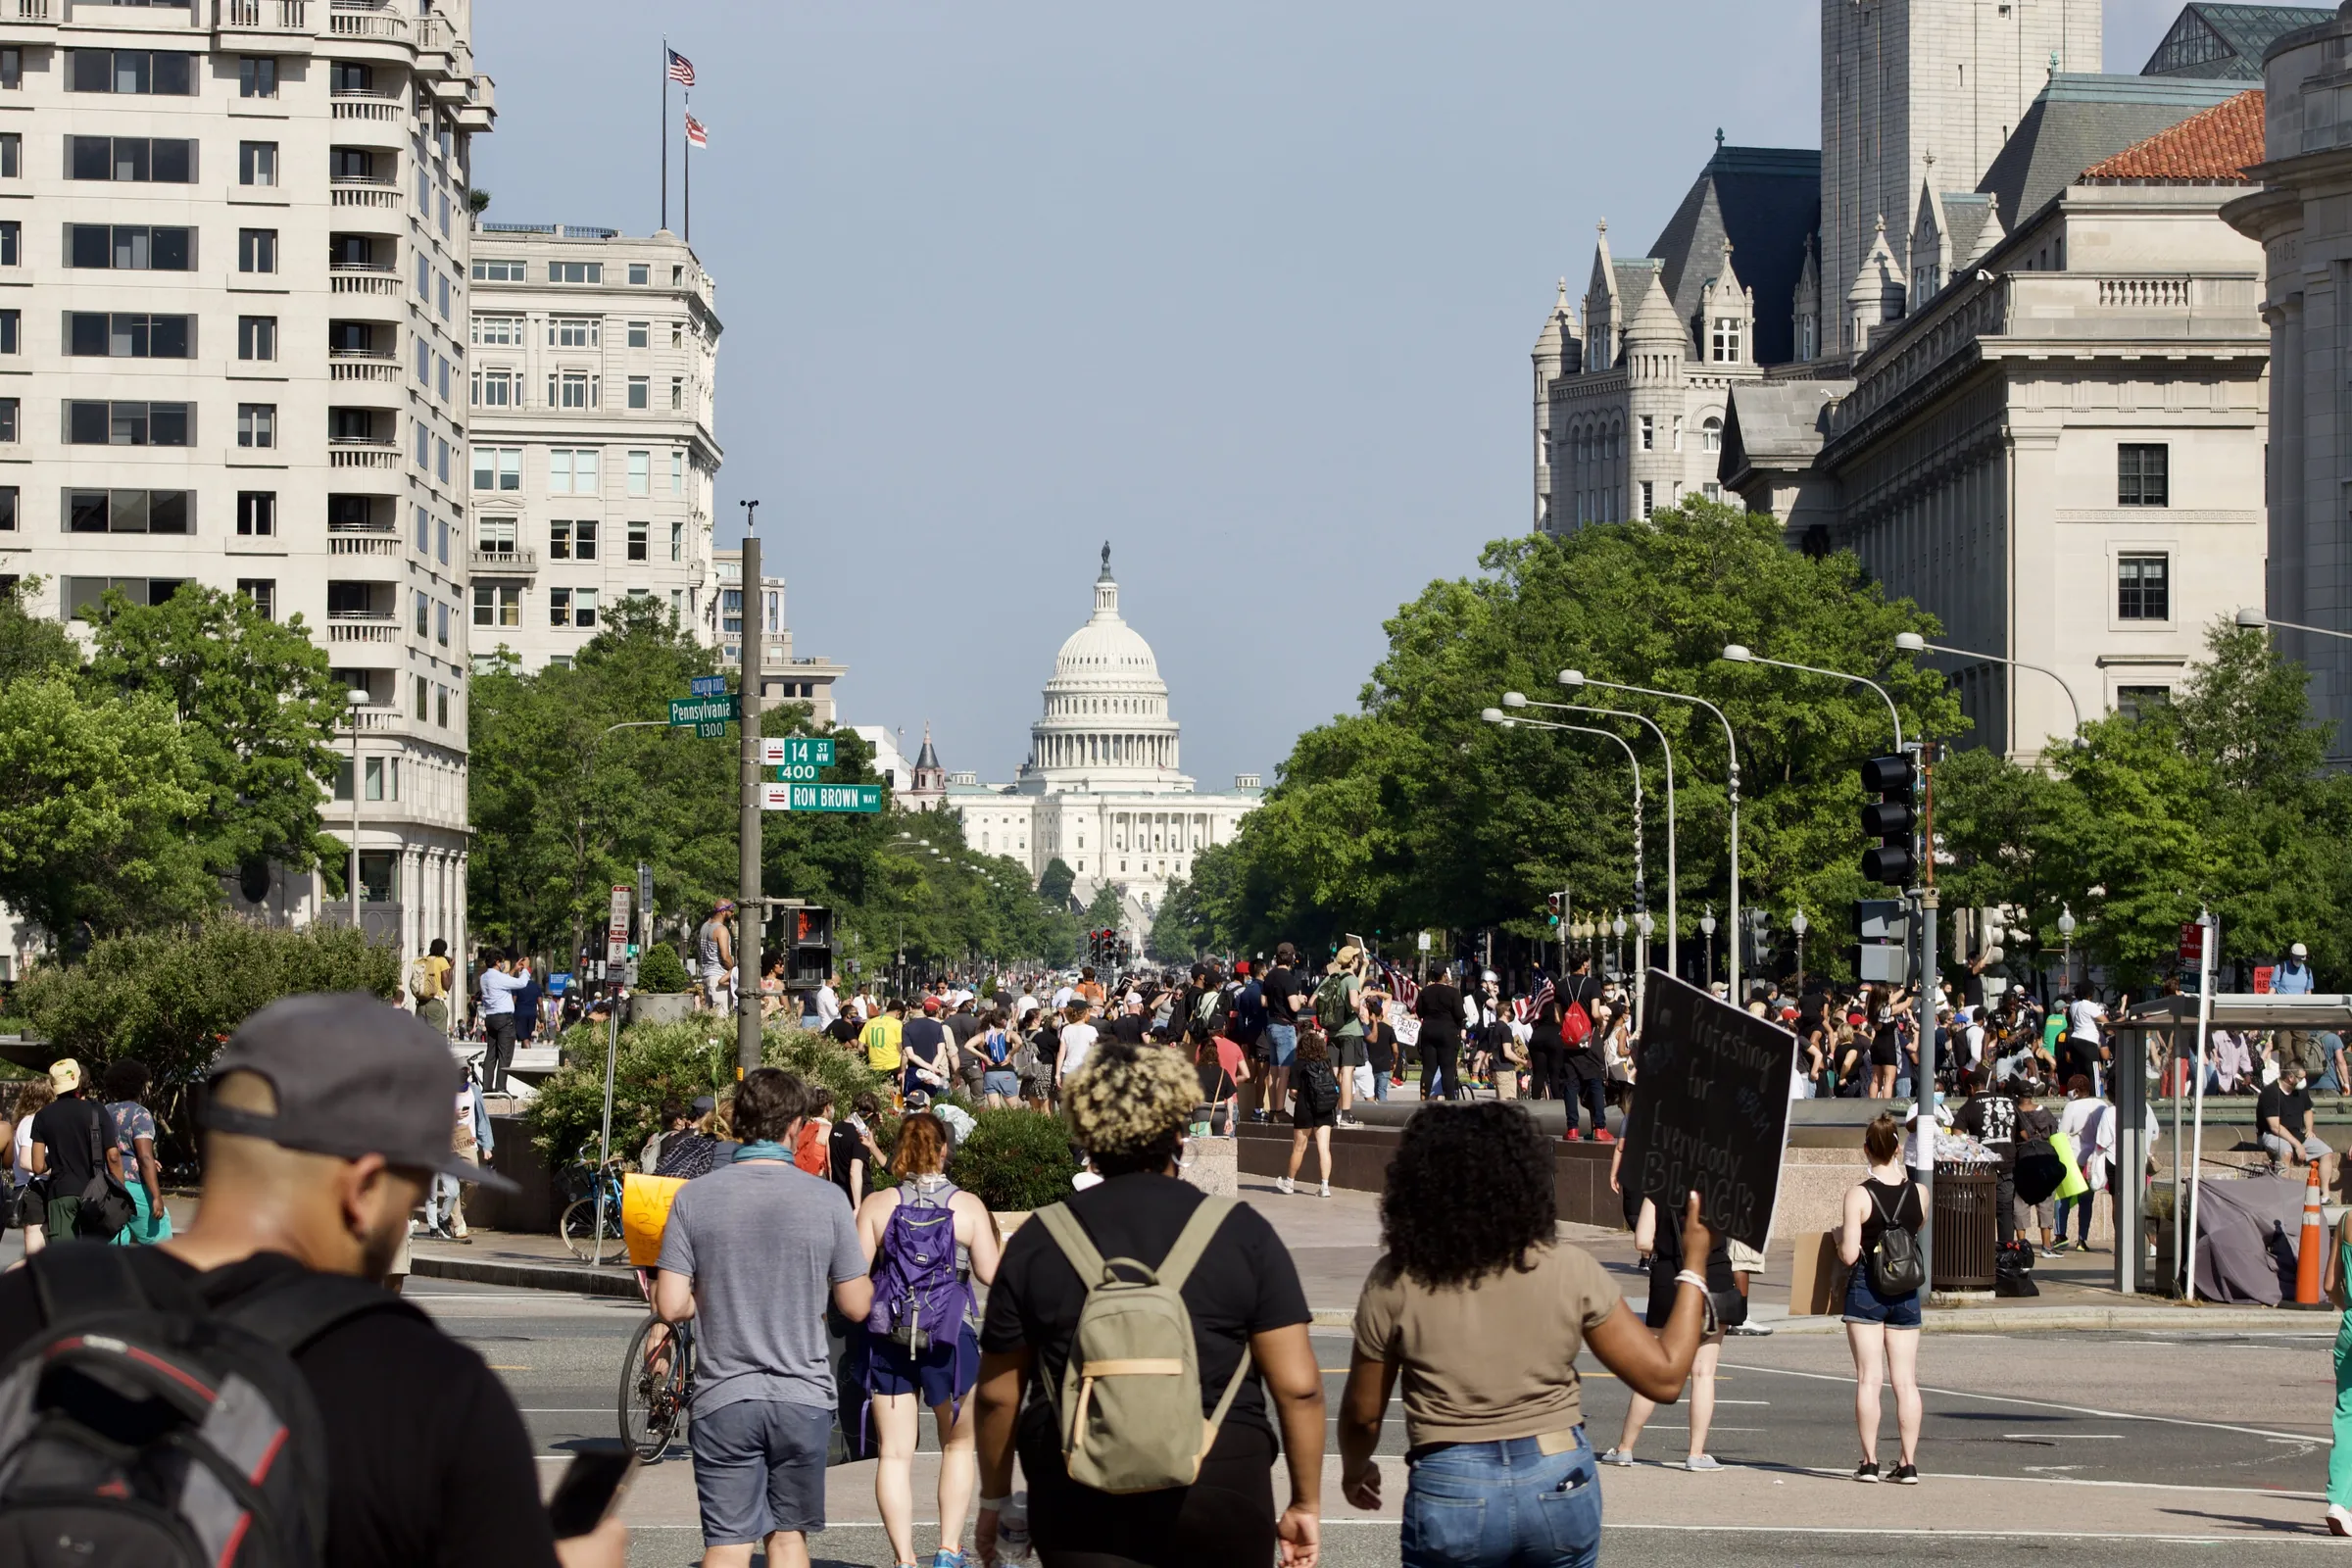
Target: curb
1976, 1320
575, 1279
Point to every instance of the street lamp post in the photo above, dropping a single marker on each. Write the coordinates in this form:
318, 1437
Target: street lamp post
1496, 716
2066, 936
1911, 642
1521, 700
1706, 928
357, 700
1799, 924
1576, 679
1734, 652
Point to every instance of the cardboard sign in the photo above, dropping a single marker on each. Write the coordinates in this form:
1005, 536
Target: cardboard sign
1710, 1109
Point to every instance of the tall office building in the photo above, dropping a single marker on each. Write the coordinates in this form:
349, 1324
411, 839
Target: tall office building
592, 366
233, 240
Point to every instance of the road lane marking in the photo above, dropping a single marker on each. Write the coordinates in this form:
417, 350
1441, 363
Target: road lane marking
2045, 1404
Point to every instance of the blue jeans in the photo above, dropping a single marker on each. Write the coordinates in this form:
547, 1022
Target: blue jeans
2080, 1207
1502, 1505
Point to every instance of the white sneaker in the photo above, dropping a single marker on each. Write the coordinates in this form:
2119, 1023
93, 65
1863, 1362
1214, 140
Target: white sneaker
1701, 1461
1619, 1457
1281, 1184
2339, 1521
1326, 1193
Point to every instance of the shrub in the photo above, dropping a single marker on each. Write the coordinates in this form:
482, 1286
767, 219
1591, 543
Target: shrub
664, 973
1015, 1161
660, 1062
172, 997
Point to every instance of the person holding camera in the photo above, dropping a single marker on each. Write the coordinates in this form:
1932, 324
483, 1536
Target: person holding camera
922, 1337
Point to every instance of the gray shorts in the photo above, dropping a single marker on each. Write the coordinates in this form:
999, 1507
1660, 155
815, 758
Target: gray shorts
760, 1466
1348, 1051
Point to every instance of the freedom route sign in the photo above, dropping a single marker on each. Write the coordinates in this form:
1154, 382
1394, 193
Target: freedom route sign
720, 710
820, 797
708, 685
1710, 1110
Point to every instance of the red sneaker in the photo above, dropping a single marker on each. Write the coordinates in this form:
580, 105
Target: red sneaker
1604, 1136
1573, 1137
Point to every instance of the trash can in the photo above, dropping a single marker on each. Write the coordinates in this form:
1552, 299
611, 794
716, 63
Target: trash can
1967, 1226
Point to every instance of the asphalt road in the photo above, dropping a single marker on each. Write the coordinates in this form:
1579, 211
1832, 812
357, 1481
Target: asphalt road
2165, 1451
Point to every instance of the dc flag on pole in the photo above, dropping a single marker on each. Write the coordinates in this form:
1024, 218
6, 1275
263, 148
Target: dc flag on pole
696, 136
681, 69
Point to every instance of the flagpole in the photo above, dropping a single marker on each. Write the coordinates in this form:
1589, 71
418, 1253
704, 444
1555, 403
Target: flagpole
686, 170
665, 132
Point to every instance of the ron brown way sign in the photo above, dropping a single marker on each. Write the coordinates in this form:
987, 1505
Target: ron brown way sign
820, 797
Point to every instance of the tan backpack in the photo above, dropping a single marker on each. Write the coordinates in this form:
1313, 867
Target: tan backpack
1129, 1406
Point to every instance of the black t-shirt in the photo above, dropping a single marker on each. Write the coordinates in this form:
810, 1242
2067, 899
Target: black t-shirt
1244, 1284
844, 1029
847, 1144
1132, 1027
1991, 1119
962, 1026
428, 1458
2292, 1111
1440, 1009
64, 1127
1281, 985
1379, 1045
924, 1043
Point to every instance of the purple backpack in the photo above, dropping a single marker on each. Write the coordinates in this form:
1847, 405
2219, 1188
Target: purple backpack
920, 1296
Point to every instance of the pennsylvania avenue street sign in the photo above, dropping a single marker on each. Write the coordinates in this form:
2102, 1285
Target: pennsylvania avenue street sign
685, 710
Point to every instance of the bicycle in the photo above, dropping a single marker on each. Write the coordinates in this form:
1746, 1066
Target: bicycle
656, 1381
578, 1227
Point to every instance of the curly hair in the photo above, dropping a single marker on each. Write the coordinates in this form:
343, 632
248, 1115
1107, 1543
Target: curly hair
1128, 1101
1469, 1193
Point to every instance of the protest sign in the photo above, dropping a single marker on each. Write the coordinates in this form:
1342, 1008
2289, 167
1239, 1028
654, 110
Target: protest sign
1710, 1109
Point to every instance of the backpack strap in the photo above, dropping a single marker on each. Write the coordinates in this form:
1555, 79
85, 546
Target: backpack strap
1192, 1242
294, 1314
87, 1279
1068, 1235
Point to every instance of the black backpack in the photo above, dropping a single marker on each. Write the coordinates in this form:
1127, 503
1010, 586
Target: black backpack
1896, 1265
145, 1426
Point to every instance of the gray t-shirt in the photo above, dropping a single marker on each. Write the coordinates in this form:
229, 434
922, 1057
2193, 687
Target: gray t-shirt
765, 1244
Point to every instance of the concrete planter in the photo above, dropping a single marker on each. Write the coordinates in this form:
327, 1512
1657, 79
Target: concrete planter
665, 1008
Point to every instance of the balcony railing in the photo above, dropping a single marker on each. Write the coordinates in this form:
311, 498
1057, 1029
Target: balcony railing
353, 365
363, 277
515, 562
29, 10
367, 105
361, 544
368, 21
362, 452
343, 629
364, 193
268, 16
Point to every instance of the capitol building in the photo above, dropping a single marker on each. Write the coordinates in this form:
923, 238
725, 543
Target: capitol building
1102, 788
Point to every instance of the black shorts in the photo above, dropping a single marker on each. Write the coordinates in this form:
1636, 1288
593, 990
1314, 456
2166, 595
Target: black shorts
1887, 1051
1225, 1516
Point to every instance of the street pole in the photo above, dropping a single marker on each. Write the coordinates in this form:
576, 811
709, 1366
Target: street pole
749, 913
355, 818
2209, 939
604, 1147
1926, 1097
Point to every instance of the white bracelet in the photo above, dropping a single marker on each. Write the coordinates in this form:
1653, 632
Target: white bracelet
994, 1504
1691, 1276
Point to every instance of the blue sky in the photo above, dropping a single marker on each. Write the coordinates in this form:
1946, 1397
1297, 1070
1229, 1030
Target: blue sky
1245, 288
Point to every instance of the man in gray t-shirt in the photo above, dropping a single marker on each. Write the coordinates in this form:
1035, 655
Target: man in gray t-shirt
751, 1253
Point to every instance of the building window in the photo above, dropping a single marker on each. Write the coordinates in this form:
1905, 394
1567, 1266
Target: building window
131, 247
641, 391
441, 459
257, 425
677, 334
497, 270
441, 376
497, 603
641, 334
425, 698
261, 594
558, 541
2143, 587
573, 332
1724, 346
8, 509
12, 156
677, 473
641, 547
441, 705
573, 472
641, 474
7, 420
495, 536
640, 275
257, 162
129, 512
441, 541
128, 424
425, 615
2132, 702
575, 271
498, 331
1650, 433
496, 388
12, 69
256, 250
498, 468
558, 607
257, 337
257, 77
572, 389
425, 444
2142, 476
1648, 504
441, 625
129, 337
1710, 434
257, 513
677, 394
441, 292
677, 541
136, 70
137, 160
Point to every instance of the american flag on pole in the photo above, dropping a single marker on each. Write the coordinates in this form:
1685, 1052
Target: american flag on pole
681, 69
696, 136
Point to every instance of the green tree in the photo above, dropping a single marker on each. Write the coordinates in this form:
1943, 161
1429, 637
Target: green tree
1178, 931
1412, 812
1054, 886
257, 704
31, 644
1106, 910
95, 796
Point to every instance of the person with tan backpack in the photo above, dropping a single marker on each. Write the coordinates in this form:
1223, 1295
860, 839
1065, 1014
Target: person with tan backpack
1140, 1342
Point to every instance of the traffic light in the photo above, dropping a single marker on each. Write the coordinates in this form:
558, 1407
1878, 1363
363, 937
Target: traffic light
809, 958
1890, 820
1554, 899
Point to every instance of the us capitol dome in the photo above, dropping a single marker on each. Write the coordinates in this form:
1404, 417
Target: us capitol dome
1102, 788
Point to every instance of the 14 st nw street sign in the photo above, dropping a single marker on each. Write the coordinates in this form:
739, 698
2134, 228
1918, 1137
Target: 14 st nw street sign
685, 710
820, 797
796, 751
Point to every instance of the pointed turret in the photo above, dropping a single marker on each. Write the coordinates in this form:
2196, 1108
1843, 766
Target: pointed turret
1727, 315
1877, 295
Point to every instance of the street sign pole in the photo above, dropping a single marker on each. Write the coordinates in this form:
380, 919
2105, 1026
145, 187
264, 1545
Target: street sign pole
616, 936
749, 913
1925, 1093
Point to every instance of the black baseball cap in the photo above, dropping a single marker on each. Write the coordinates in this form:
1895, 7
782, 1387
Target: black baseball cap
352, 1076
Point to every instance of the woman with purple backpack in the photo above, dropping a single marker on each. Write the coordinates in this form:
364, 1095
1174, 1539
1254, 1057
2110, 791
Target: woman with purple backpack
925, 1242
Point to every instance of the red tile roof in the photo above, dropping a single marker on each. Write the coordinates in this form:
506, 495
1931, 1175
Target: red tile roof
2216, 146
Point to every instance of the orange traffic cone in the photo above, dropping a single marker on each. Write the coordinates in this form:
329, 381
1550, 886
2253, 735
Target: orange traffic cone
2314, 1246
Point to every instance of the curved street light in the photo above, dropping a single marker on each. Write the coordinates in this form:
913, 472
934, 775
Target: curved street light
1673, 872
1737, 653
1576, 679
1911, 642
1496, 717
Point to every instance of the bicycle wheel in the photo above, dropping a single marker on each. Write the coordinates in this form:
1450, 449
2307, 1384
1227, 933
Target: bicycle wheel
579, 1229
649, 1402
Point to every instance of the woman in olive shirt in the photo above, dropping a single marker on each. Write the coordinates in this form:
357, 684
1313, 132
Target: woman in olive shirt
1468, 1220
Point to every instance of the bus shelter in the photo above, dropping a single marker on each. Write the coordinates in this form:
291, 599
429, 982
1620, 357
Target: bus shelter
2181, 1030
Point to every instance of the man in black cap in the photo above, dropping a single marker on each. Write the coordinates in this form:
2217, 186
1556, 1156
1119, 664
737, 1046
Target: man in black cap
326, 1119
